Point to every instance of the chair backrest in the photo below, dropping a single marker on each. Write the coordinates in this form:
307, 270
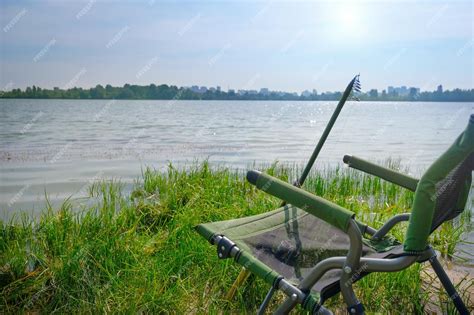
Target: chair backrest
442, 191
452, 192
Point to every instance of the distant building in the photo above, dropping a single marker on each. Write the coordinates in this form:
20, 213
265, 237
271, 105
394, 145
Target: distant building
439, 89
414, 91
197, 89
264, 91
212, 89
374, 93
249, 92
306, 93
315, 92
402, 90
218, 88
231, 91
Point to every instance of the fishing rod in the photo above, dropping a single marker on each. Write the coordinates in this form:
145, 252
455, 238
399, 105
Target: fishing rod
354, 85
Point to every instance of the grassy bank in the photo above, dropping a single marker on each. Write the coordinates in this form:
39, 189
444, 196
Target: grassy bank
140, 253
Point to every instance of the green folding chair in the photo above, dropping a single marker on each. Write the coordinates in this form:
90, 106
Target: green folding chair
311, 249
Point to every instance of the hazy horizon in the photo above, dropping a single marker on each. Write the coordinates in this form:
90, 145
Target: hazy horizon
251, 45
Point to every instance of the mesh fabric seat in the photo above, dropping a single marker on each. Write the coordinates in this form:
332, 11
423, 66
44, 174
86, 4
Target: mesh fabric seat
291, 241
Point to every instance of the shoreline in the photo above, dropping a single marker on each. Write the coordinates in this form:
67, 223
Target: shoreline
231, 100
140, 251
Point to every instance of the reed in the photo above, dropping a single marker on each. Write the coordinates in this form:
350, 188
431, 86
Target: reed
139, 252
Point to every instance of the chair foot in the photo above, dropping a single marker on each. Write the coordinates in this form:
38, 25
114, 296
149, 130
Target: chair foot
323, 311
356, 309
448, 285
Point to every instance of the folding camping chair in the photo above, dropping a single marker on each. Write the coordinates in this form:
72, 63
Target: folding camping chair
312, 249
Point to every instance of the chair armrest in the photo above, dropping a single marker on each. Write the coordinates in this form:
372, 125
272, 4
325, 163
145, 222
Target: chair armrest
392, 176
390, 224
317, 206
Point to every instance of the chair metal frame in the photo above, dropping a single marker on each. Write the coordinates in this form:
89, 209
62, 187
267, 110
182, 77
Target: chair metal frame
353, 264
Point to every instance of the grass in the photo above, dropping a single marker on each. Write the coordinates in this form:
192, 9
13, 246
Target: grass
140, 253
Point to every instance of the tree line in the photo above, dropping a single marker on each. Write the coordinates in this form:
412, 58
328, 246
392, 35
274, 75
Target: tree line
171, 92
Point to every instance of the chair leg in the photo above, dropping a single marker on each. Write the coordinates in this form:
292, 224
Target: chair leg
448, 285
241, 278
285, 308
266, 301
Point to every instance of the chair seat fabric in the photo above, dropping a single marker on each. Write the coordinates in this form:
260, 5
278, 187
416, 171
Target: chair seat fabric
290, 242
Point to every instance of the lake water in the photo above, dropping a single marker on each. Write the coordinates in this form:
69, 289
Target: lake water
59, 146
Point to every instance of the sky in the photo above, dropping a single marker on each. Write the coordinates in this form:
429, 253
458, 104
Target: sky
289, 46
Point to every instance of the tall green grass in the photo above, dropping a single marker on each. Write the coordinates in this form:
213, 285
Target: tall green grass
140, 253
